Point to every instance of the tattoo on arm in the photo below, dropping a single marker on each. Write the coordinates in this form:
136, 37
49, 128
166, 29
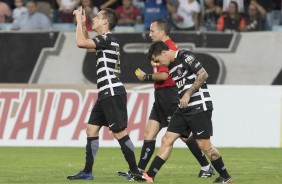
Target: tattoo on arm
202, 76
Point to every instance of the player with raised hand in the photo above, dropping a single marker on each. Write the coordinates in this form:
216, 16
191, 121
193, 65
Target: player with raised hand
110, 108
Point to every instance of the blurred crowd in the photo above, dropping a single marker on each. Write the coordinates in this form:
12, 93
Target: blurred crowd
184, 15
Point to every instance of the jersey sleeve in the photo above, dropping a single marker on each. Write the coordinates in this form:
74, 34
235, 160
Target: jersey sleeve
191, 62
162, 69
101, 42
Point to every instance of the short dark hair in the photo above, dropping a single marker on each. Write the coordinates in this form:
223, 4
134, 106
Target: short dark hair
111, 16
156, 48
163, 24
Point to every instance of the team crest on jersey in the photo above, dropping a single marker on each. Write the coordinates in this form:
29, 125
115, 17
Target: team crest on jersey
189, 58
179, 72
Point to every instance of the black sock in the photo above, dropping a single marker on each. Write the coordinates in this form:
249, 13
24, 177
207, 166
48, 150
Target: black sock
91, 150
146, 153
220, 168
196, 151
127, 149
155, 166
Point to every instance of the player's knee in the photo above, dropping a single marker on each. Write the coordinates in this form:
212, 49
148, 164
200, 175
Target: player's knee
184, 139
204, 143
146, 134
118, 134
91, 131
88, 131
167, 140
150, 134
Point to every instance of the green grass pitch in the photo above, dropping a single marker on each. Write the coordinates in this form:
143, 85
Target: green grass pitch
44, 165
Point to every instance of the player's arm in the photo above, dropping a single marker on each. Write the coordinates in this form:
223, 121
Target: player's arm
82, 37
194, 65
159, 76
201, 78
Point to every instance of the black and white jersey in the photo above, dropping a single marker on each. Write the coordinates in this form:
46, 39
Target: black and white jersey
183, 71
108, 66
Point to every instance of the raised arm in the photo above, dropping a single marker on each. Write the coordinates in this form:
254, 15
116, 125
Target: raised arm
260, 9
82, 37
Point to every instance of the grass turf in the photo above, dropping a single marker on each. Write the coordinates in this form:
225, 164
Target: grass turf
43, 165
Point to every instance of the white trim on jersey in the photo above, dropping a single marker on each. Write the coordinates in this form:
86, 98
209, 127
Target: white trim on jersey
203, 101
184, 88
201, 90
174, 68
193, 76
111, 86
114, 44
106, 60
190, 77
105, 78
110, 51
102, 69
109, 76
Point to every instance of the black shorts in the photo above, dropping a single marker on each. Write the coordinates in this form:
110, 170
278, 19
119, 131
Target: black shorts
199, 124
166, 103
110, 112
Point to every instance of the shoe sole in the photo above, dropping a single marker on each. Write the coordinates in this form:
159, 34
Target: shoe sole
228, 181
70, 178
208, 176
124, 174
129, 178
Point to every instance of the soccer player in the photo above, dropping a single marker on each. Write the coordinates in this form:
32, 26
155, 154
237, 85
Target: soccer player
110, 108
194, 112
166, 103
